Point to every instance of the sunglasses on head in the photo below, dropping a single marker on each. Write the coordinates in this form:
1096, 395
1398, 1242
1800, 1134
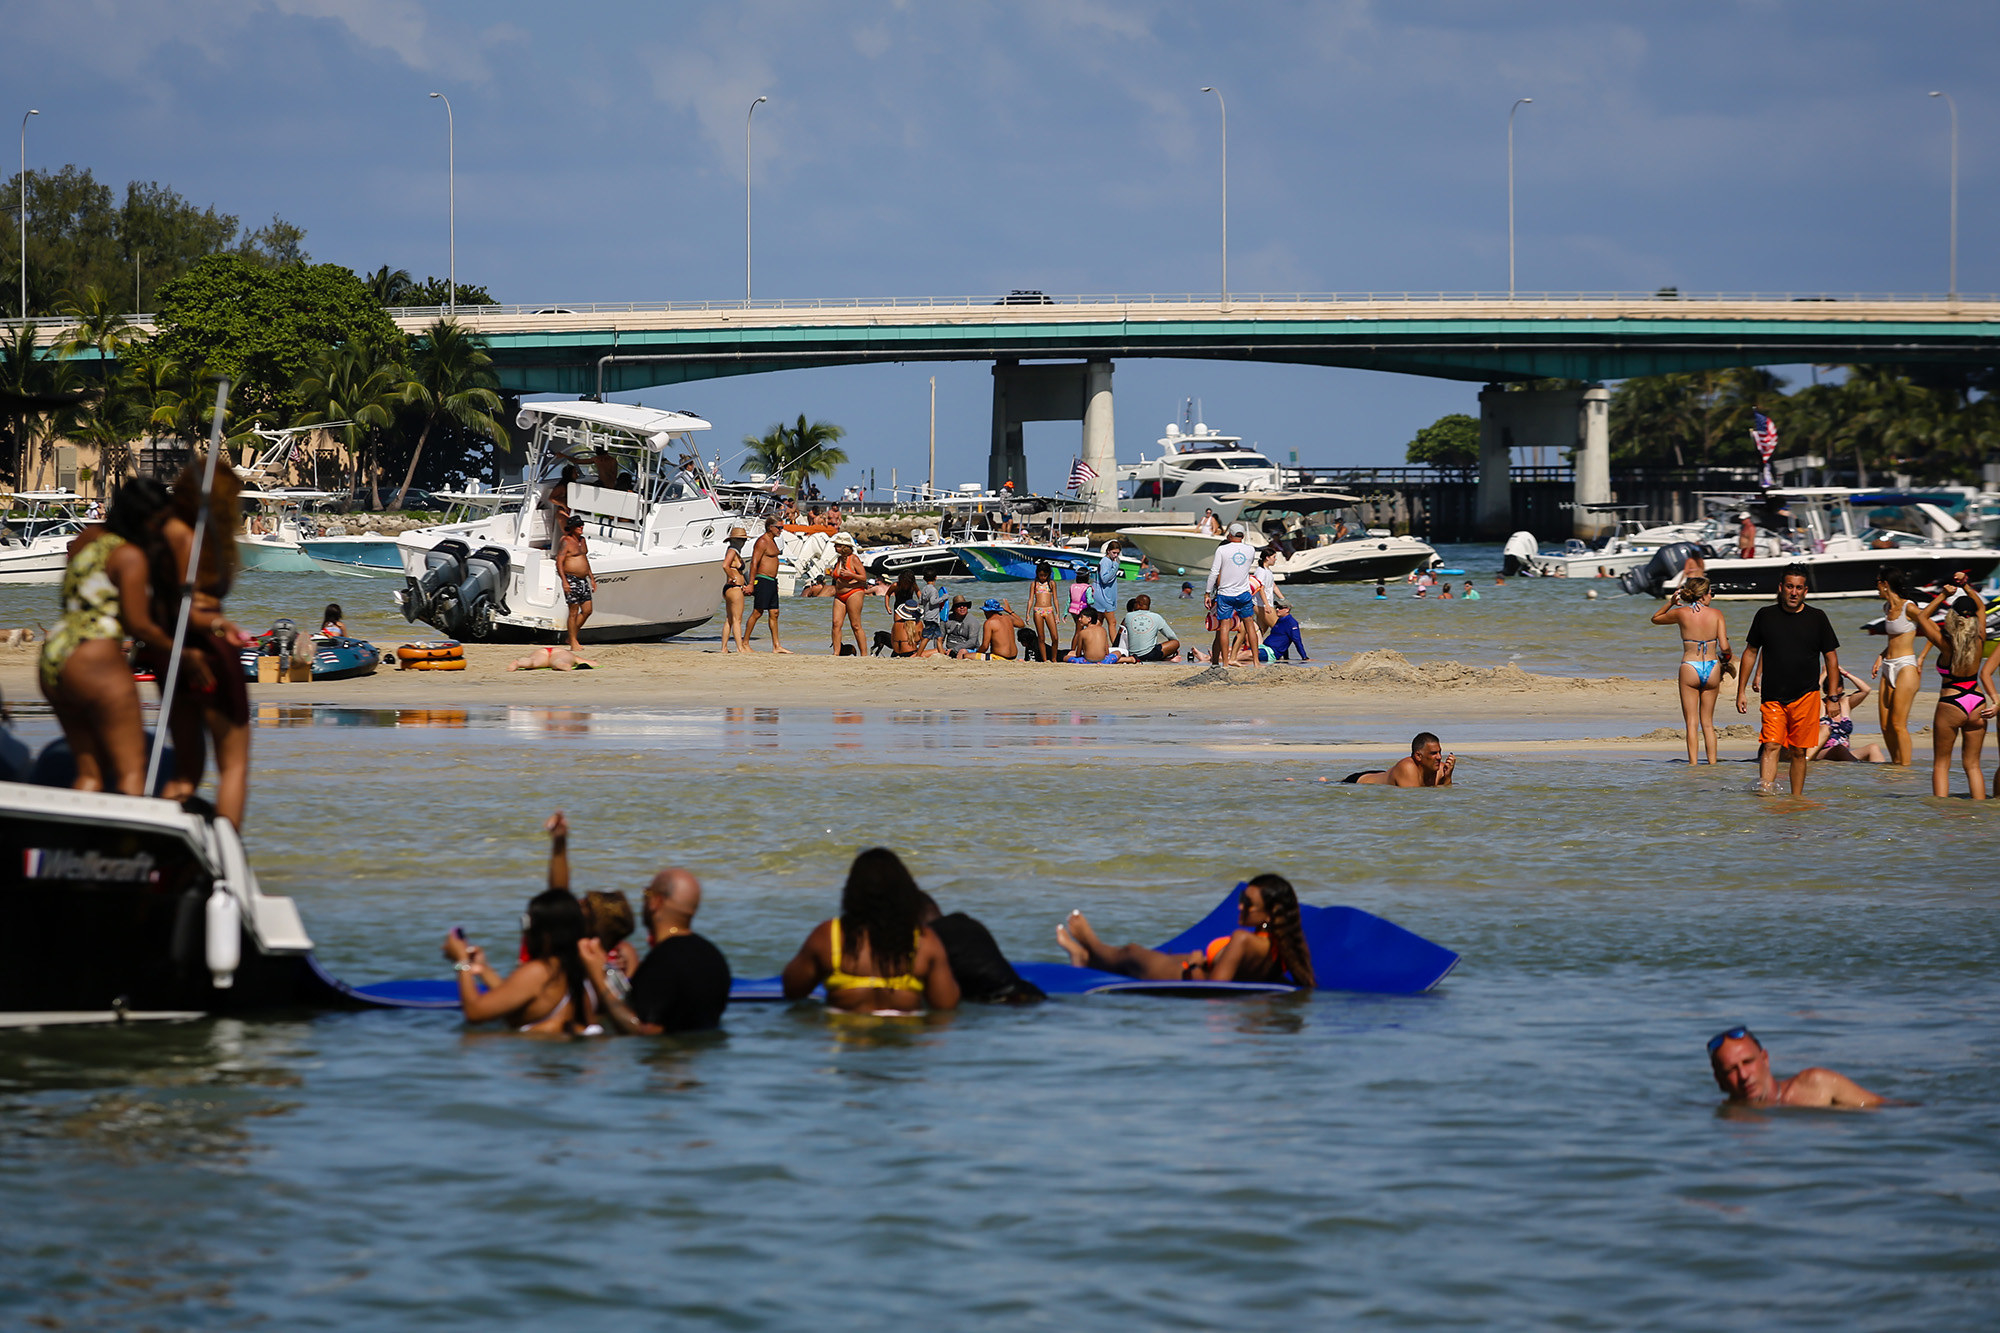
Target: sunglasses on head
1736, 1033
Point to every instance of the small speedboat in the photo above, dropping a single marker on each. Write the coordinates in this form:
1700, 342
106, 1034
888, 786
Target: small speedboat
365, 555
34, 543
1324, 533
1003, 561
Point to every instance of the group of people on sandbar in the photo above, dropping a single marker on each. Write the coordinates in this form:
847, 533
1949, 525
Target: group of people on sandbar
1792, 658
124, 584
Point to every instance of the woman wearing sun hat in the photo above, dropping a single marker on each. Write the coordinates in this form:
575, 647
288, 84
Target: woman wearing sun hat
850, 580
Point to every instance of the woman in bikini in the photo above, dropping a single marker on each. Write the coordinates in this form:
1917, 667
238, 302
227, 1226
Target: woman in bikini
735, 584
331, 626
1965, 690
1837, 738
850, 582
548, 992
1268, 945
107, 595
906, 616
877, 956
1705, 659
1042, 610
1900, 665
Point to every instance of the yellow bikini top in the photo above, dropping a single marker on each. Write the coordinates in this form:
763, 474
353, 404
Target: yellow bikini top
839, 980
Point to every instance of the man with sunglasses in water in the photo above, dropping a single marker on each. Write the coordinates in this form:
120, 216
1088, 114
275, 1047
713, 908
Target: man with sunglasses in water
1742, 1069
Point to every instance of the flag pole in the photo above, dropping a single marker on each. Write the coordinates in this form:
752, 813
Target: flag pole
187, 591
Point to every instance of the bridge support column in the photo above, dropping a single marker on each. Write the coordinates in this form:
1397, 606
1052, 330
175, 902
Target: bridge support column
1593, 465
1496, 459
1008, 459
1100, 449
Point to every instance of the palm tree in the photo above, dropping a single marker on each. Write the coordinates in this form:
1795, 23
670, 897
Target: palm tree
451, 379
43, 401
391, 287
795, 453
99, 326
355, 385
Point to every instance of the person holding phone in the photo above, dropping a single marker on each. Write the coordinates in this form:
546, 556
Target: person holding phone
1427, 766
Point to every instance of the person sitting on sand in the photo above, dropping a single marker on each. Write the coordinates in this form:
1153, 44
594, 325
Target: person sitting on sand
1091, 645
1837, 727
1148, 636
558, 658
1742, 1069
877, 956
1426, 767
547, 992
1001, 635
683, 986
1268, 945
1285, 635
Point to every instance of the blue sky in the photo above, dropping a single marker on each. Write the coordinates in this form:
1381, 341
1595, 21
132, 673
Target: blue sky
960, 148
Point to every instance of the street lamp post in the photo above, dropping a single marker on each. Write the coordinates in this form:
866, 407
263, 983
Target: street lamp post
24, 212
752, 115
1519, 103
1225, 190
1953, 296
451, 202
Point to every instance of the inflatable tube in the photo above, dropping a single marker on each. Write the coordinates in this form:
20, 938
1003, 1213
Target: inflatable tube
437, 650
436, 664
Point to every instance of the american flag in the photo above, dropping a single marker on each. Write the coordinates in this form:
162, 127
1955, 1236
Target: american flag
1079, 473
1764, 434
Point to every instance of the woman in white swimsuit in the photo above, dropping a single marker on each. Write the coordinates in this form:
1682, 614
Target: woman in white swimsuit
1900, 665
1704, 659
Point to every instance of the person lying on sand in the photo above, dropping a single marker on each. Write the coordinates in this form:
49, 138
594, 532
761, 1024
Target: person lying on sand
1268, 944
1742, 1069
551, 659
1426, 767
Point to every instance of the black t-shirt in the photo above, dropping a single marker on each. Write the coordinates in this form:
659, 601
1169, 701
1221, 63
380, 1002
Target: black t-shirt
682, 985
1791, 644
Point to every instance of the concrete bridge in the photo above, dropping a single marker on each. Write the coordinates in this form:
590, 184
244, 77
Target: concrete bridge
1488, 338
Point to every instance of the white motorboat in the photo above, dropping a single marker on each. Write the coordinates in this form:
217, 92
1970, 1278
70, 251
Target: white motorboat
1197, 469
1629, 546
273, 535
655, 548
34, 543
1319, 534
1815, 529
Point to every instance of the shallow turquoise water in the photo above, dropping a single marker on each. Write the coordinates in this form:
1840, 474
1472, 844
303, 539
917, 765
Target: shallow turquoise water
1536, 1144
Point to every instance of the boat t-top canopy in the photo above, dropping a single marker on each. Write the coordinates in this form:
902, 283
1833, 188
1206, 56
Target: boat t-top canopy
654, 426
1298, 502
47, 497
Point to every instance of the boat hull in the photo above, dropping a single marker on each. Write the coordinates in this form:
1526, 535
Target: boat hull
273, 555
367, 557
32, 565
1014, 562
1848, 574
1356, 561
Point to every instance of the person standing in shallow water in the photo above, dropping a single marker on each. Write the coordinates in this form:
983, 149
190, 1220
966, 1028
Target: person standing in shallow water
683, 983
1704, 660
1965, 684
1900, 665
877, 956
1792, 639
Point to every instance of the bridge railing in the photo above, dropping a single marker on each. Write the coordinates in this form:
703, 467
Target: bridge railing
1026, 303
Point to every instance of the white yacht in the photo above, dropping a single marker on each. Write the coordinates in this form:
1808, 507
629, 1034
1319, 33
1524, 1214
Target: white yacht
655, 535
1197, 469
1321, 535
34, 542
1629, 546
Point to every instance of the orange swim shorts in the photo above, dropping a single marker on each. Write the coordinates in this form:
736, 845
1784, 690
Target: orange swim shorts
1795, 724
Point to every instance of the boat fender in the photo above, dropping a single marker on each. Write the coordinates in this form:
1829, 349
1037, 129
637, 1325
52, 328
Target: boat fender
225, 937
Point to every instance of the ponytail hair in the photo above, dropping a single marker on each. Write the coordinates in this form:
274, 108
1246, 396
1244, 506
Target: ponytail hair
1965, 631
1286, 932
1693, 589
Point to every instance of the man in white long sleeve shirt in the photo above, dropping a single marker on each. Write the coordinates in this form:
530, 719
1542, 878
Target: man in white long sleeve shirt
1229, 594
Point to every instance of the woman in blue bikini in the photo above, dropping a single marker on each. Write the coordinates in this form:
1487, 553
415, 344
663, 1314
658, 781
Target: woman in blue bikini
1704, 658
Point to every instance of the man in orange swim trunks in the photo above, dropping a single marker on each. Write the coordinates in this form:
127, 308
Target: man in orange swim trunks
1791, 637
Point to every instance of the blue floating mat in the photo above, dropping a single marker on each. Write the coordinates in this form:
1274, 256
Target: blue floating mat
1352, 950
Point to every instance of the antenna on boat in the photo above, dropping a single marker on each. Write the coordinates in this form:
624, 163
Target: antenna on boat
187, 592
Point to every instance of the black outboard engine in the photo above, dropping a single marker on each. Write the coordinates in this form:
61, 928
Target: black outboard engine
1652, 577
279, 643
444, 570
483, 592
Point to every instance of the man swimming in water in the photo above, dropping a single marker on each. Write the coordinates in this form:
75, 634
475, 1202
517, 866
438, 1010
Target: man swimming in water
1742, 1069
1427, 766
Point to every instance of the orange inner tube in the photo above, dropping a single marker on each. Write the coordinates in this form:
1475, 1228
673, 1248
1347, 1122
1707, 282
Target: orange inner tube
442, 651
436, 664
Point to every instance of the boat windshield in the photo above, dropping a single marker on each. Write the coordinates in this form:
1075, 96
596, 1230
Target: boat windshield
1320, 527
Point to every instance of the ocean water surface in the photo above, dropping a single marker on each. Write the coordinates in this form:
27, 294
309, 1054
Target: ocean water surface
1534, 1144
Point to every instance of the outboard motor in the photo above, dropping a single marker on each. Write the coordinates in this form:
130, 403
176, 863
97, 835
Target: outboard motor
1515, 555
284, 636
1652, 577
483, 592
444, 571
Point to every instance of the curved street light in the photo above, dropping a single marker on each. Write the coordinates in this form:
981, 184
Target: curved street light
1953, 296
1225, 190
24, 212
1518, 104
451, 205
746, 195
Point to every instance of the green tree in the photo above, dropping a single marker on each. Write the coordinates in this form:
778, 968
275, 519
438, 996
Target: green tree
354, 391
99, 327
266, 328
795, 453
439, 291
390, 287
1450, 442
451, 379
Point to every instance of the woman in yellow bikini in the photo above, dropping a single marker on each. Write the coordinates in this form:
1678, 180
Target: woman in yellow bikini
877, 956
1268, 944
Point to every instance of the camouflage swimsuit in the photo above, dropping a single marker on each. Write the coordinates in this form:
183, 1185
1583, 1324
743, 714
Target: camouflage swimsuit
90, 606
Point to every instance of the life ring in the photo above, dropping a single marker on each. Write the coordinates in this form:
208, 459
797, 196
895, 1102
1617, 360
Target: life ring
438, 650
436, 664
